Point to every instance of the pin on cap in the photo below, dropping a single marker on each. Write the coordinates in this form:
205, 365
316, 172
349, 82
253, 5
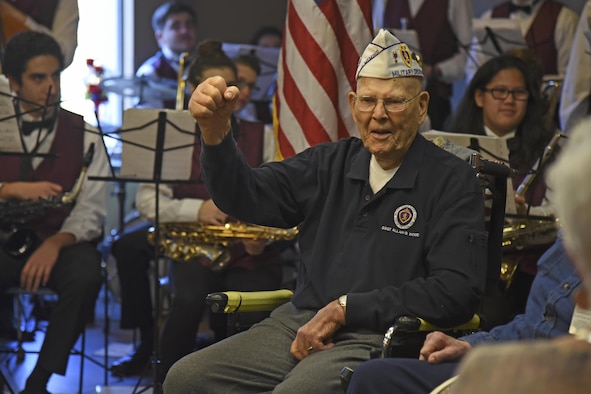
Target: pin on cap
387, 57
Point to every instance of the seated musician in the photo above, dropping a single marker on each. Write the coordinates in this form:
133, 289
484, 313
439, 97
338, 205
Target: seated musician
57, 18
254, 265
65, 258
175, 29
562, 365
503, 100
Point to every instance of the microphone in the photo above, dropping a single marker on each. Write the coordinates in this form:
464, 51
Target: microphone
493, 168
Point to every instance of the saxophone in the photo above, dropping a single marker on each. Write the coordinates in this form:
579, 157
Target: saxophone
187, 241
18, 240
527, 233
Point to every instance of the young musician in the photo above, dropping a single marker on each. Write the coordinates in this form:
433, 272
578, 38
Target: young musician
65, 259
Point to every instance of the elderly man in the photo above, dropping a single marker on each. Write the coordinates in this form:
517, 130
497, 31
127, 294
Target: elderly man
390, 225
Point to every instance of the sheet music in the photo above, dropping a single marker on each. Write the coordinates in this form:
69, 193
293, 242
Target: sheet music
497, 146
10, 140
138, 161
488, 34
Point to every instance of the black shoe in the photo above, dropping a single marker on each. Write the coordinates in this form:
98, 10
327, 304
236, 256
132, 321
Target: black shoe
42, 391
132, 364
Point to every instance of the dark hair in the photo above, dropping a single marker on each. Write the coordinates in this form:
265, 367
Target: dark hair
266, 31
531, 135
24, 46
164, 11
250, 61
209, 55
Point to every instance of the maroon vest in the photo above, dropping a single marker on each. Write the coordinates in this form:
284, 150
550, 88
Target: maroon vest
63, 169
250, 141
165, 70
540, 36
436, 37
42, 11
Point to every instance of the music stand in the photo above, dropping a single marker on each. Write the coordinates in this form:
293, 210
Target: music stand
491, 148
150, 136
493, 37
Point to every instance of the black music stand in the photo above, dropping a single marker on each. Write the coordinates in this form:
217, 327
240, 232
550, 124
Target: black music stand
493, 37
158, 149
20, 151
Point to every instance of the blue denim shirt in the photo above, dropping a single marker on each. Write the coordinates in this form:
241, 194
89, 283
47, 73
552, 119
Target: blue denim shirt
550, 304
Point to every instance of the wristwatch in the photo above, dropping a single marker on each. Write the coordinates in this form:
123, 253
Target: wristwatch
343, 302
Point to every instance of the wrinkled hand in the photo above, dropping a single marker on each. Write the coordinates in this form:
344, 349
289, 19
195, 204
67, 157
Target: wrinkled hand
30, 190
254, 247
318, 332
212, 104
209, 213
439, 347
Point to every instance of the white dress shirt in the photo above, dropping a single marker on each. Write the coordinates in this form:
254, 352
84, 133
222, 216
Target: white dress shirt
86, 219
64, 28
460, 16
576, 87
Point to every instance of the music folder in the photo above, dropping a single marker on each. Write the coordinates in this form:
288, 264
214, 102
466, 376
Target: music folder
490, 148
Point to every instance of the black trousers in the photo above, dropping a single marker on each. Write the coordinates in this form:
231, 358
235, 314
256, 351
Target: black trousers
76, 278
190, 284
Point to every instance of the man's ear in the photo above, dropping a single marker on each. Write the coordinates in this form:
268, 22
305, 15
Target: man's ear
350, 97
158, 37
14, 86
423, 106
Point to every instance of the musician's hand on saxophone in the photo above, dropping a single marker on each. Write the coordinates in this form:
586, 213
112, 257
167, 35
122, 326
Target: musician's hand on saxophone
29, 190
520, 204
38, 267
209, 213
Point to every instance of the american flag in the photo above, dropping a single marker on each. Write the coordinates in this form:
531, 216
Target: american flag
322, 43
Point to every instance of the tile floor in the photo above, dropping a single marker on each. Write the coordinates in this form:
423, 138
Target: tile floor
120, 342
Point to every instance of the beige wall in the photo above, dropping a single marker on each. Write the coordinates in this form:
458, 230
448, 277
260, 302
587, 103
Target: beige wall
226, 20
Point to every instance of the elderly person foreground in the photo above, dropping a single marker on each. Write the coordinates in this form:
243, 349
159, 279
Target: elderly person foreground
387, 229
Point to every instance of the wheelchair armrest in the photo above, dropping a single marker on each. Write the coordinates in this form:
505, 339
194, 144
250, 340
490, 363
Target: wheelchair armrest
247, 301
413, 324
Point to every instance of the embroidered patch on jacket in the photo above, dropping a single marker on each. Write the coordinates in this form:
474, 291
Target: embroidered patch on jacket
405, 216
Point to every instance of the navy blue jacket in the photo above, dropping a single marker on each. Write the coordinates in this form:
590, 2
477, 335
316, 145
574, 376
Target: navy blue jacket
417, 247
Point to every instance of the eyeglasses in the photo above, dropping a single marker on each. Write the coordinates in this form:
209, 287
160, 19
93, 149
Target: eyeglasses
368, 103
502, 93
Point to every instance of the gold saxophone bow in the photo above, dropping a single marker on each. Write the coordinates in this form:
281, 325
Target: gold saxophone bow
187, 241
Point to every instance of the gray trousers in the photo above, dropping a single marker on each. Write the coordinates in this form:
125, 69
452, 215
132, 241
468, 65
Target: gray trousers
259, 361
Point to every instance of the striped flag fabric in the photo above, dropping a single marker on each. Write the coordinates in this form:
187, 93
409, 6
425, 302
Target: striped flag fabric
322, 43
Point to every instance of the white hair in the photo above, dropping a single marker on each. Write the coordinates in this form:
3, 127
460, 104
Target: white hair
570, 182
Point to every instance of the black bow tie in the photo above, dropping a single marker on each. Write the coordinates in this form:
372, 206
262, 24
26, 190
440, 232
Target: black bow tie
28, 127
523, 8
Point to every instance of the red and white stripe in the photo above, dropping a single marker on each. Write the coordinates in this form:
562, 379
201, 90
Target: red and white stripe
322, 43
